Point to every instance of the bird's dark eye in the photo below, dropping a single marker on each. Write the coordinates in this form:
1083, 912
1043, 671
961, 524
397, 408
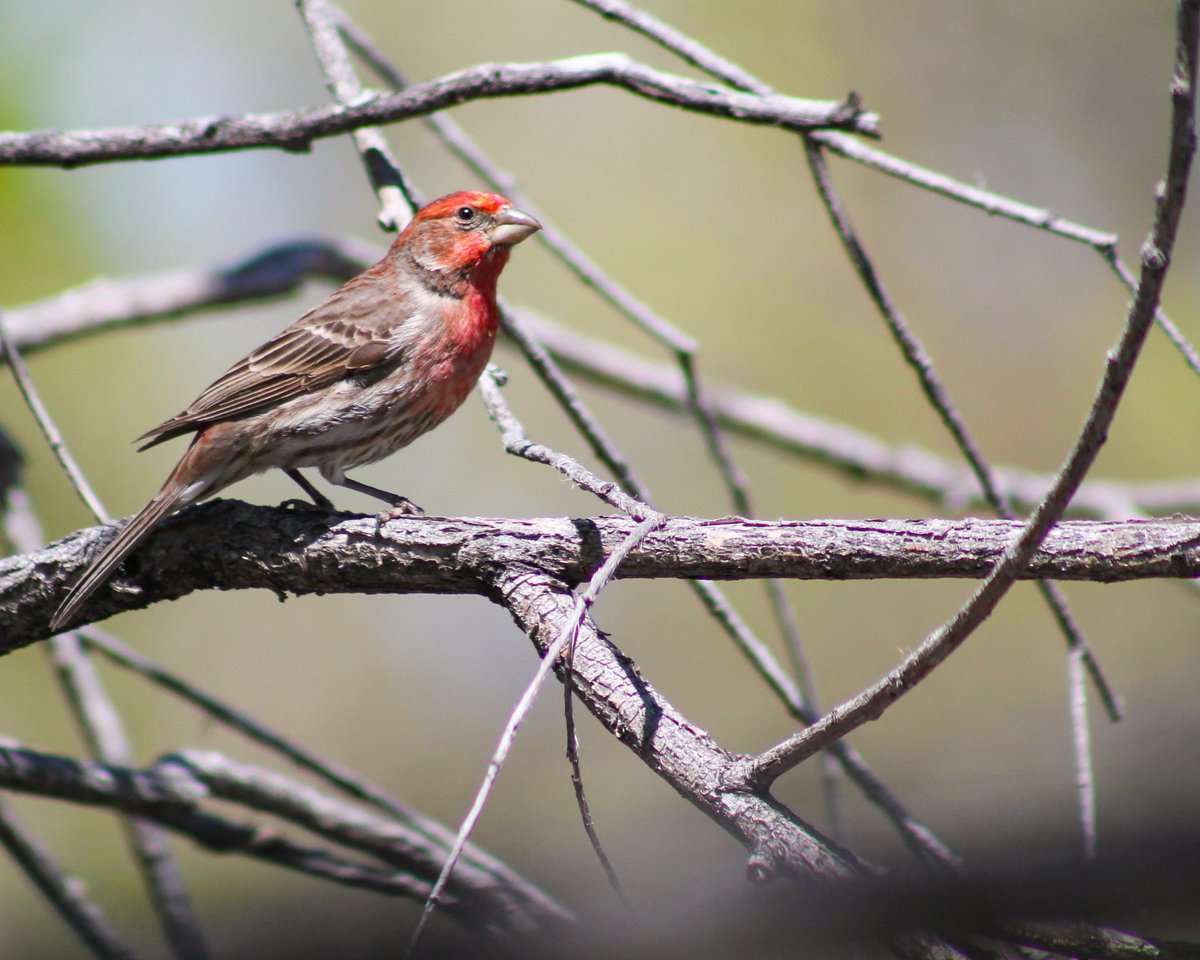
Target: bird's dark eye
464, 214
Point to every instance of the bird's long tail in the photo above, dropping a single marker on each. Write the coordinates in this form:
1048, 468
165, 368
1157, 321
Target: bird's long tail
133, 533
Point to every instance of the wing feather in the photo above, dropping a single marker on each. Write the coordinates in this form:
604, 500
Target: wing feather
322, 347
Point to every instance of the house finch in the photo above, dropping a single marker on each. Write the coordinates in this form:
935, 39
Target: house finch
387, 357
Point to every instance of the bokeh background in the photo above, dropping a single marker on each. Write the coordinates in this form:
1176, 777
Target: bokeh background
717, 226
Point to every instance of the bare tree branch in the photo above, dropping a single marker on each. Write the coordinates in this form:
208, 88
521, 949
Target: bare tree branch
681, 753
44, 421
170, 793
226, 544
517, 442
296, 130
264, 274
518, 907
431, 833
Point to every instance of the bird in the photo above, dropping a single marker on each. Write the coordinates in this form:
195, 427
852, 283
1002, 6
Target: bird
384, 359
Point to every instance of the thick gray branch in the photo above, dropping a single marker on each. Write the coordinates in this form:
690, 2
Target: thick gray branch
681, 753
297, 130
230, 545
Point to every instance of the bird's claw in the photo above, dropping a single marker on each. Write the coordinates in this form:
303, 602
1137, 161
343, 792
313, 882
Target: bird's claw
402, 508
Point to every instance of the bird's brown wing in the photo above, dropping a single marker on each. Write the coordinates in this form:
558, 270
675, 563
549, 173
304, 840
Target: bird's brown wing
322, 347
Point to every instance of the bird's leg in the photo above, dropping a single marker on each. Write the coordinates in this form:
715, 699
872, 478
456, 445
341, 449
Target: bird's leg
317, 496
400, 506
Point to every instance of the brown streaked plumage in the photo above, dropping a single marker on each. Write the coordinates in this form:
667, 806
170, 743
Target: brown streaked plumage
386, 358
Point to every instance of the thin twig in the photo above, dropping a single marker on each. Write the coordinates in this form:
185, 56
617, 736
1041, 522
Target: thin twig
678, 43
700, 56
517, 443
1085, 781
598, 582
990, 203
65, 894
1105, 244
581, 800
1174, 334
46, 424
806, 685
396, 198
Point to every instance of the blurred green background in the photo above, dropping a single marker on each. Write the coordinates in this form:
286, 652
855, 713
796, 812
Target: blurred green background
716, 226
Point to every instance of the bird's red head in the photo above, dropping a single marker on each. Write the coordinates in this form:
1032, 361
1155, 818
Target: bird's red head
461, 231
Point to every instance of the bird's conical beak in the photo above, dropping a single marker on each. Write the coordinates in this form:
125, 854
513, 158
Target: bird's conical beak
511, 226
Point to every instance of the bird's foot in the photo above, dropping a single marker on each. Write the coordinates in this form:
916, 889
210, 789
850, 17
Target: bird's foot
403, 507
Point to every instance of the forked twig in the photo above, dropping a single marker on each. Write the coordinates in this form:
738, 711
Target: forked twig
598, 582
517, 442
1156, 258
